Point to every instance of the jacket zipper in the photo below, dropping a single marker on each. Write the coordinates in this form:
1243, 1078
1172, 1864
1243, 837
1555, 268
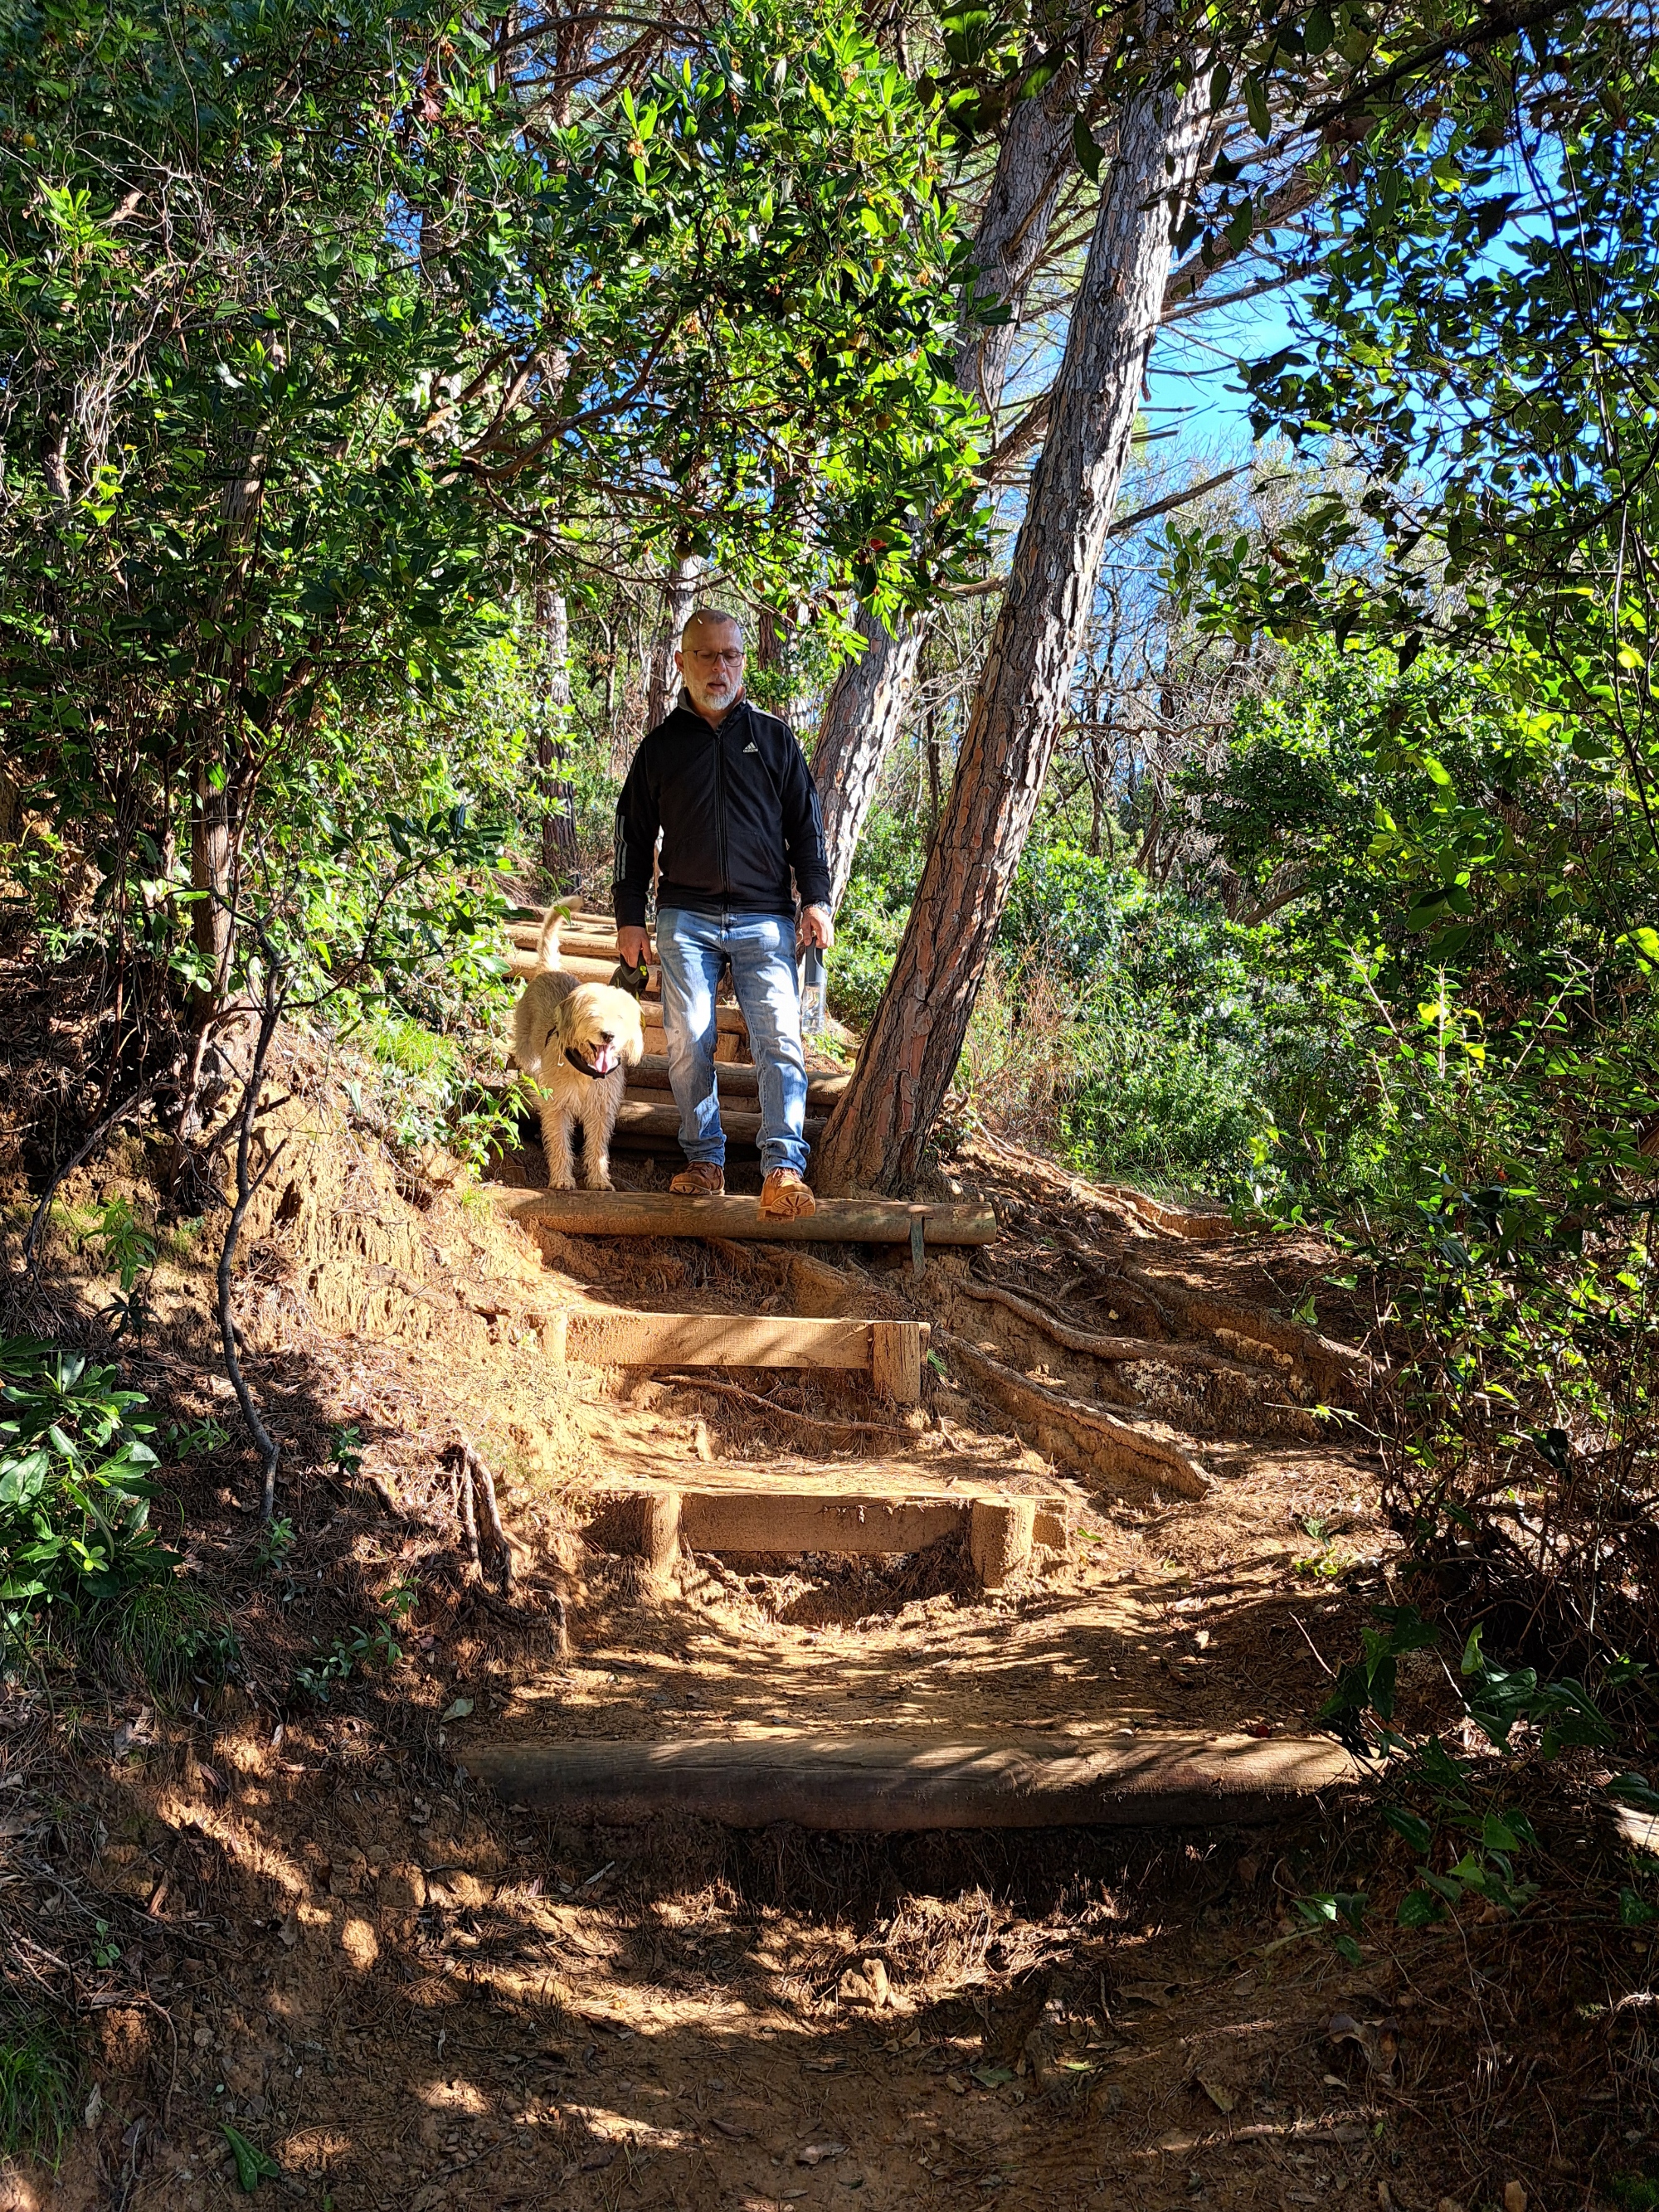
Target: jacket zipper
720, 815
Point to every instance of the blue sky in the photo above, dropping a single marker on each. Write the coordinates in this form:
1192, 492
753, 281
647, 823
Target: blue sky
1196, 390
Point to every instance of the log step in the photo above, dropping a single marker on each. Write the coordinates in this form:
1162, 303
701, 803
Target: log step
586, 967
649, 1080
661, 1213
641, 1121
888, 1351
888, 1784
875, 1517
586, 943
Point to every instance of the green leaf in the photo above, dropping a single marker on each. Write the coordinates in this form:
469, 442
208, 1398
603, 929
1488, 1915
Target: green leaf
1256, 106
253, 2165
1416, 1830
1420, 1908
1084, 145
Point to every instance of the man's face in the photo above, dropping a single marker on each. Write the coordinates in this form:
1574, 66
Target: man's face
710, 658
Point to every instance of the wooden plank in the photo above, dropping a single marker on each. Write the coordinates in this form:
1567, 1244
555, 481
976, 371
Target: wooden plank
794, 1521
585, 969
773, 1515
650, 1074
896, 1354
661, 1213
666, 1340
886, 1783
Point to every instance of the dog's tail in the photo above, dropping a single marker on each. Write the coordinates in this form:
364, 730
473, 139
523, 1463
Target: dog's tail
547, 944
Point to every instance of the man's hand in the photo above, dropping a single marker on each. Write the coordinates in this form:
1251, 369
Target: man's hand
816, 928
633, 947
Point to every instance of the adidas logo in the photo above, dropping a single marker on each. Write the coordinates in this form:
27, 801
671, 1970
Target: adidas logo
752, 747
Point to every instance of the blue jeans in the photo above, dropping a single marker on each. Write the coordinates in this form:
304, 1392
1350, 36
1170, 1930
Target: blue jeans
761, 947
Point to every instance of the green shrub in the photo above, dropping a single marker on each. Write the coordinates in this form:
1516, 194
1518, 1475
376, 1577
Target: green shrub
76, 1541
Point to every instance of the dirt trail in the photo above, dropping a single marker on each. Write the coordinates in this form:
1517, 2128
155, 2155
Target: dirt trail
418, 2000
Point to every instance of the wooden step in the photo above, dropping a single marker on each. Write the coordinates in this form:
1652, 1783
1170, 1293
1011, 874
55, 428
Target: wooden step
641, 1121
822, 1088
867, 1512
661, 1213
890, 1352
599, 970
731, 1039
586, 944
886, 1783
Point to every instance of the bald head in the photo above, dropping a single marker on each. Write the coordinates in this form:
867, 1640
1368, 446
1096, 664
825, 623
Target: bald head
709, 618
710, 660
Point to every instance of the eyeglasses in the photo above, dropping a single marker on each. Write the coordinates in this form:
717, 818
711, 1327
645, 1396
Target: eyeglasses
730, 658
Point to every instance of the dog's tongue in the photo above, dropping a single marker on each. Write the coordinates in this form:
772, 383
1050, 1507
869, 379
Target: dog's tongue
605, 1060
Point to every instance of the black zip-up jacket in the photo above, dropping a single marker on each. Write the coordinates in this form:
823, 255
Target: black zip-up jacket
738, 811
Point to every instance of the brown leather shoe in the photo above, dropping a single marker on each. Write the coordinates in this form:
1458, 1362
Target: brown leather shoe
702, 1179
785, 1197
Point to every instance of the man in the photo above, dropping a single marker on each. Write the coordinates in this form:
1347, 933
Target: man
729, 791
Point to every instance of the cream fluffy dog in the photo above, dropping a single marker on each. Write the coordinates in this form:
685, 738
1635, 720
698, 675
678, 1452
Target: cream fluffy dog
576, 1040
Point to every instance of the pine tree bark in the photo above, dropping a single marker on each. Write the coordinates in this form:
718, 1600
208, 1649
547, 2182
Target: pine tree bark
879, 1126
868, 700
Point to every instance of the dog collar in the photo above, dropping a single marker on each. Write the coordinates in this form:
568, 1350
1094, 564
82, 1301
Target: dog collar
593, 1075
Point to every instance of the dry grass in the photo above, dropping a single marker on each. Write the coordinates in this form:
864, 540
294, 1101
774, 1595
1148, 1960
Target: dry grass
1019, 1059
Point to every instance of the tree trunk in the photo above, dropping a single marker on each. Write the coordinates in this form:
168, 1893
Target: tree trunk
935, 780
558, 799
682, 596
868, 718
876, 1133
866, 702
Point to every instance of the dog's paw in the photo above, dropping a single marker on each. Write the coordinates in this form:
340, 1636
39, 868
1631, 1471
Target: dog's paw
601, 1181
562, 1182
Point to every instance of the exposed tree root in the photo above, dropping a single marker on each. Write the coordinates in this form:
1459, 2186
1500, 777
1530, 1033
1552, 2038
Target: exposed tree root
1340, 1371
1096, 1439
1109, 1348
